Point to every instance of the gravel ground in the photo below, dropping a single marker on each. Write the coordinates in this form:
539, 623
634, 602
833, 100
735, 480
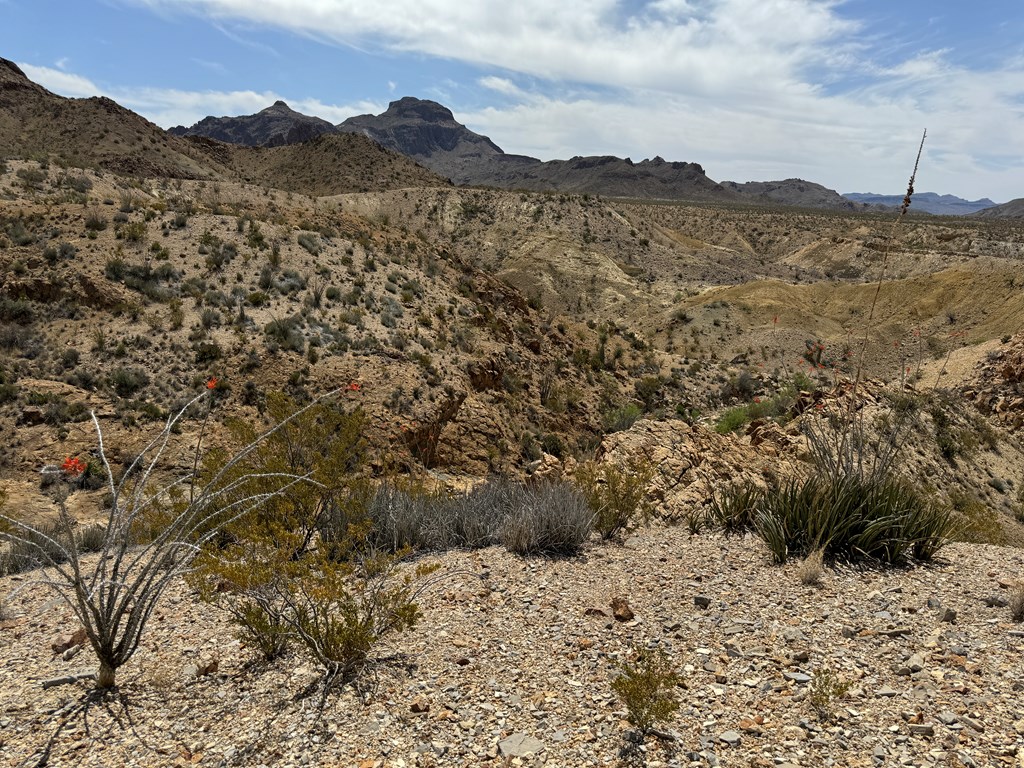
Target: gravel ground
513, 660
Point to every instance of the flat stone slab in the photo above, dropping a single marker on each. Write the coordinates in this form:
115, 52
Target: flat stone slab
520, 745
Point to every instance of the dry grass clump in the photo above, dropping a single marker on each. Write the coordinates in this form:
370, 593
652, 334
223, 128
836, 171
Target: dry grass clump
812, 568
552, 518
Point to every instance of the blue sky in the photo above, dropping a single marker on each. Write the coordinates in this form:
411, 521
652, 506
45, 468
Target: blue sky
834, 91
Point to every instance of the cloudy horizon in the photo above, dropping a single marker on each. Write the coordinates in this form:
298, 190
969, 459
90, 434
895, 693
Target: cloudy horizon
833, 91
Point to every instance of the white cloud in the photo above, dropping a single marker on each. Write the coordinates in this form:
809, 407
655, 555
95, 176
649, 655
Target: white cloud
702, 45
501, 85
64, 83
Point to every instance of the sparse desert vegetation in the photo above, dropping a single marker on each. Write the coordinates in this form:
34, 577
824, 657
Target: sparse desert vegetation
314, 458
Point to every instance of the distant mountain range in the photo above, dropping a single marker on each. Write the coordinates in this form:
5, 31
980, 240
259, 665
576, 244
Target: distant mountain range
428, 133
929, 202
422, 130
1011, 210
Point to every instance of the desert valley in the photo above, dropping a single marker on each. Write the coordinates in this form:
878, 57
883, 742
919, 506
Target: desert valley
418, 453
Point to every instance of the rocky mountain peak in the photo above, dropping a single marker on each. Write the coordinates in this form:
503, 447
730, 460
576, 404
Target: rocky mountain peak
409, 107
11, 71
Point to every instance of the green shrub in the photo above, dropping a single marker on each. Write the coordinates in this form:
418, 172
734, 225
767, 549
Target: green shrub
127, 381
646, 686
826, 688
616, 495
16, 311
731, 420
303, 567
95, 223
621, 418
286, 334
133, 231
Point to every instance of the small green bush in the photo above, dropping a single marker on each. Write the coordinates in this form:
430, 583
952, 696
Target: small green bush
617, 495
286, 334
127, 381
95, 223
622, 418
646, 686
825, 689
731, 420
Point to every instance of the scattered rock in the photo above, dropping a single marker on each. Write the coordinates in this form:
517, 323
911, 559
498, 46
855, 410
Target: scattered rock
520, 745
621, 610
420, 705
702, 601
732, 738
913, 665
77, 638
948, 616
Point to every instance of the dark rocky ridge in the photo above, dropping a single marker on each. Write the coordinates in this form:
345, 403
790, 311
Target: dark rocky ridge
429, 133
274, 126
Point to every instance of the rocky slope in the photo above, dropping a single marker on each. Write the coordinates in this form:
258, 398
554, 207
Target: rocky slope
98, 133
274, 126
94, 132
796, 193
998, 384
1011, 210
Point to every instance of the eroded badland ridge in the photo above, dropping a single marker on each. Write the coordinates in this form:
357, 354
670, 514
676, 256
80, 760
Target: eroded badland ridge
486, 333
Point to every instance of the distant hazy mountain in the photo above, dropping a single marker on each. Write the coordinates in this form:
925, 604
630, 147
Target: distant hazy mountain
929, 202
274, 126
797, 192
1011, 210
